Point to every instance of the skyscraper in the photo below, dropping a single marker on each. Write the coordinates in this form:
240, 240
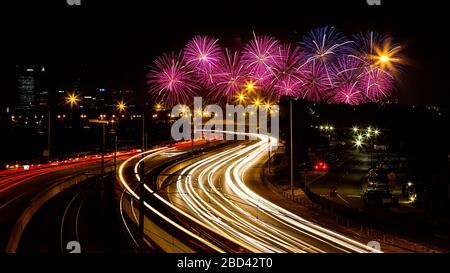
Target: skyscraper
26, 88
42, 89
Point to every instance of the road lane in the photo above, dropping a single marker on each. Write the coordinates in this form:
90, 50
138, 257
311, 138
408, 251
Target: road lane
211, 193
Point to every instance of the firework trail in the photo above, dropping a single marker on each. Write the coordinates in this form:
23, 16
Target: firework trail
288, 86
171, 80
346, 69
366, 43
288, 60
314, 81
376, 84
377, 50
326, 66
348, 93
259, 56
203, 54
231, 76
324, 45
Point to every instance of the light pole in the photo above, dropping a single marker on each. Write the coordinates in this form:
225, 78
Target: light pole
103, 147
49, 135
292, 149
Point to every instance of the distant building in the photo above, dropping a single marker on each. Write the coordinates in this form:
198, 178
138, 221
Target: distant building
26, 88
42, 91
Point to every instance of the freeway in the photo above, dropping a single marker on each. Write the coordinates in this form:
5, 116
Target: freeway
207, 199
18, 187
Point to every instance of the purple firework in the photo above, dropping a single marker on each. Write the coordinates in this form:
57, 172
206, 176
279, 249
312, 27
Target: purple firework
230, 76
259, 55
203, 52
288, 86
346, 69
314, 81
348, 93
171, 80
287, 62
376, 83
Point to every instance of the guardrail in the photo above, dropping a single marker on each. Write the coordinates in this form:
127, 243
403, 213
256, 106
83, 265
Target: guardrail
38, 201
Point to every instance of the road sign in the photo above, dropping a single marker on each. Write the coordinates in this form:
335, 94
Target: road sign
45, 153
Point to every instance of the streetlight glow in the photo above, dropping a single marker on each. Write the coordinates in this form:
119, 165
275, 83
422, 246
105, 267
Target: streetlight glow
72, 99
241, 98
250, 86
121, 106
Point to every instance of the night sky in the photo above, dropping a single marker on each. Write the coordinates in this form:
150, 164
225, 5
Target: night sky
114, 41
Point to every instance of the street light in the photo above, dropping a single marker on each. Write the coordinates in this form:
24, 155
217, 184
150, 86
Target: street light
257, 102
72, 99
250, 86
241, 98
158, 107
358, 143
121, 106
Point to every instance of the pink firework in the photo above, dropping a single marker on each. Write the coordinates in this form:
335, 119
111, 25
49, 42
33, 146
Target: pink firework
347, 69
203, 52
171, 80
314, 81
288, 86
288, 60
259, 56
230, 76
348, 93
376, 83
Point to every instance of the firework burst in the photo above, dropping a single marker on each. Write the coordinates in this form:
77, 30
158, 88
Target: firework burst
288, 60
314, 81
230, 76
378, 50
346, 69
376, 84
259, 56
366, 44
288, 86
324, 44
203, 52
348, 93
171, 80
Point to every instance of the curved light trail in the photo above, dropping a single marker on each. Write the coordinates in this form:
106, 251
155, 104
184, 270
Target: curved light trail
212, 193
